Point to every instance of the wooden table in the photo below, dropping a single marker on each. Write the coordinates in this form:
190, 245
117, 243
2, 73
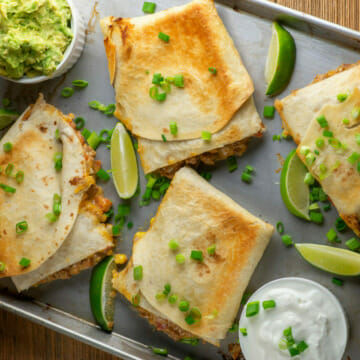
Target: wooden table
23, 340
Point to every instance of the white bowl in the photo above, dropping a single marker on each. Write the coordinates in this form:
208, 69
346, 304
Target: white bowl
296, 283
72, 52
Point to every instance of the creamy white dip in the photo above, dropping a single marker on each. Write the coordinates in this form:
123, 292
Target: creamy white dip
313, 312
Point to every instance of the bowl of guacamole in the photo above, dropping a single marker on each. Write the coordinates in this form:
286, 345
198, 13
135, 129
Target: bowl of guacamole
39, 39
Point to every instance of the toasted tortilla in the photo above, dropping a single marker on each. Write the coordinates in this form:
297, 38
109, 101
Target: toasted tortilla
198, 40
298, 109
156, 155
196, 215
341, 181
34, 146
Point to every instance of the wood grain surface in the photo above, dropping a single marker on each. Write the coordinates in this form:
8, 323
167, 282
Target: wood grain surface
21, 339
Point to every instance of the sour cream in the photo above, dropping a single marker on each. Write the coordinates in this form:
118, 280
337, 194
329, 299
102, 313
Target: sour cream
312, 311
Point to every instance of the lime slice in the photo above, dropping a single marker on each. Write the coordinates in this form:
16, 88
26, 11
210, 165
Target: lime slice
7, 117
102, 300
280, 60
333, 260
123, 163
294, 192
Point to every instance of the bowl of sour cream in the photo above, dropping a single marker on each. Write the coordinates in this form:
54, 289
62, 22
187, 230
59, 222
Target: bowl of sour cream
293, 318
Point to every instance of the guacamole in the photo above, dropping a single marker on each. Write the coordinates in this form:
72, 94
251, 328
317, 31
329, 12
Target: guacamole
34, 35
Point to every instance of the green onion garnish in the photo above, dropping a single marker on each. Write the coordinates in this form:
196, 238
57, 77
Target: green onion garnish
314, 207
80, 83
180, 258
149, 7
107, 133
280, 227
7, 147
246, 177
243, 331
25, 262
19, 177
323, 168
269, 111
51, 217
310, 159
94, 140
304, 150
234, 328
211, 250
355, 112
327, 133
172, 299
206, 135
231, 163
173, 128
196, 255
153, 92
268, 304
195, 314
161, 97
159, 351
179, 80
212, 70
79, 122
340, 224
130, 225
316, 152
190, 320
21, 227
157, 79
190, 341
327, 207
184, 305
67, 92
276, 138
86, 133
103, 175
335, 143
173, 245
138, 272
57, 204
116, 230
353, 157
164, 37
7, 188
167, 289
316, 217
94, 104
322, 121
160, 296
287, 240
332, 235
110, 109
135, 300
289, 337
353, 244
163, 138
346, 121
249, 169
2, 266
123, 209
337, 281
309, 179
342, 97
58, 161
252, 308
57, 134
9, 168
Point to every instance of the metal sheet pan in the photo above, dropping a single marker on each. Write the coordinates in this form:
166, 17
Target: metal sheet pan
321, 46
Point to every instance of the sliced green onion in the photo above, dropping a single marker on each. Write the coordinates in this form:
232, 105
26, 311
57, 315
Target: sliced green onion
190, 341
293, 350
190, 320
161, 97
164, 37
67, 92
280, 227
231, 163
276, 138
159, 351
167, 289
148, 7
285, 135
207, 175
184, 305
337, 281
316, 152
310, 159
135, 300
212, 70
138, 272
346, 121
314, 207
340, 224
342, 97
86, 133
109, 213
355, 112
51, 217
206, 135
110, 109
172, 299
323, 168
328, 133
173, 245
243, 331
79, 122
94, 140
153, 92
304, 150
289, 337
353, 244
9, 168
116, 230
316, 217
331, 235
80, 83
57, 204
7, 147
322, 121
169, 79
196, 255
157, 79
335, 143
327, 207
252, 308
173, 128
211, 249
180, 258
103, 175
130, 225
353, 157
179, 80
19, 177
165, 86
269, 111
249, 169
246, 177
196, 314
309, 179
124, 209
160, 296
108, 135
57, 134
94, 104
234, 328
268, 304
21, 227
25, 262
287, 240
2, 266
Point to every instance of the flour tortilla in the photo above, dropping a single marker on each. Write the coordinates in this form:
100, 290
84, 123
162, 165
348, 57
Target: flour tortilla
298, 109
343, 183
156, 155
34, 147
197, 215
198, 40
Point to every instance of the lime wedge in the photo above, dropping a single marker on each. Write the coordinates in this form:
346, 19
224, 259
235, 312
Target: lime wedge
333, 260
280, 60
7, 117
294, 192
102, 300
123, 163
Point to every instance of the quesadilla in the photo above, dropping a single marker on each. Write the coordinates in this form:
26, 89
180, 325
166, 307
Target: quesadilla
45, 162
189, 43
331, 151
167, 157
298, 109
195, 261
